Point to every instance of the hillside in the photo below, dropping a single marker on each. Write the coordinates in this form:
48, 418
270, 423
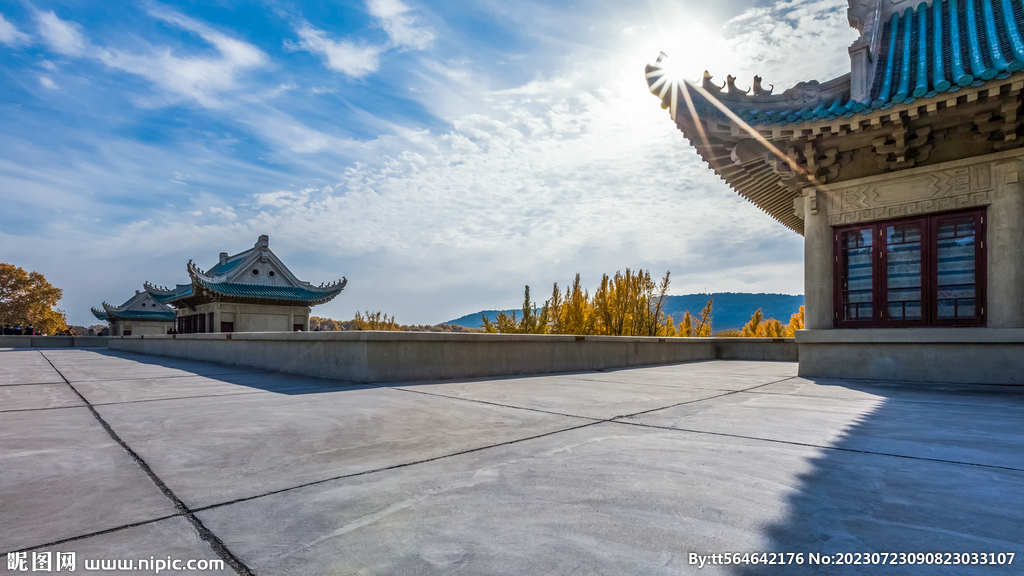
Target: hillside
731, 309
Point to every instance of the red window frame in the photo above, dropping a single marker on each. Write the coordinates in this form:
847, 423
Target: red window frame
929, 249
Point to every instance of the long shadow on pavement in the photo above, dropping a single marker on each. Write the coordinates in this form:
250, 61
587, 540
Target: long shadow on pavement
932, 468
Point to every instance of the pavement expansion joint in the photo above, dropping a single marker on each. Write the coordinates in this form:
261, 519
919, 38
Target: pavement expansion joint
38, 409
397, 389
822, 446
397, 466
716, 396
91, 534
212, 539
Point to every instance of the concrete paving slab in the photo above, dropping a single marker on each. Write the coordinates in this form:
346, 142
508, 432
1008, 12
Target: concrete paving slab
172, 538
989, 435
62, 476
679, 379
85, 365
216, 449
719, 367
574, 397
145, 389
615, 499
38, 396
26, 367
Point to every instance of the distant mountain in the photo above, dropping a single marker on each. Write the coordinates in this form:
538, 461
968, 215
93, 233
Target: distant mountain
730, 310
733, 309
475, 320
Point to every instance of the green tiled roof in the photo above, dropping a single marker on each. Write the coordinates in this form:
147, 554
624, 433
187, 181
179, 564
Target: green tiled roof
163, 297
143, 315
225, 267
292, 293
945, 47
100, 315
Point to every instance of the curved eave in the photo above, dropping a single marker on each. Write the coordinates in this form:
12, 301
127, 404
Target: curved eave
307, 296
758, 182
166, 295
143, 316
99, 314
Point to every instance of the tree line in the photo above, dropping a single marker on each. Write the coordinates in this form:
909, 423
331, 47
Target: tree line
626, 304
380, 321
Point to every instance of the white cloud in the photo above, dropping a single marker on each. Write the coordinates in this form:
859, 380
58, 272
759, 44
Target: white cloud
400, 26
339, 55
47, 83
10, 35
359, 59
199, 78
48, 65
62, 36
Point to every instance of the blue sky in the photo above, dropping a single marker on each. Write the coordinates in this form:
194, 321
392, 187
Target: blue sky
438, 155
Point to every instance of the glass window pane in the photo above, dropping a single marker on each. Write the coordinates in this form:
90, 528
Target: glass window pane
955, 269
857, 279
903, 271
857, 238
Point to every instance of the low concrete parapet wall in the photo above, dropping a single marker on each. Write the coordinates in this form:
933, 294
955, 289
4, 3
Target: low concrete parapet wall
53, 341
370, 356
962, 355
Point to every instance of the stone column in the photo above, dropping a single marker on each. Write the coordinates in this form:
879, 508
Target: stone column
1005, 248
818, 270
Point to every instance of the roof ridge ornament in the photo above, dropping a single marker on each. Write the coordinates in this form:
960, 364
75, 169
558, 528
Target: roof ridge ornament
709, 85
730, 81
758, 90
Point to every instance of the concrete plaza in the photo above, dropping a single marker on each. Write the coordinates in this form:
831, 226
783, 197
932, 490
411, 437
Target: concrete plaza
116, 455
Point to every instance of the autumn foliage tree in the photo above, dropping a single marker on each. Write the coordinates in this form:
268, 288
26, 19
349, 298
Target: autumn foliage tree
375, 321
26, 298
759, 327
626, 304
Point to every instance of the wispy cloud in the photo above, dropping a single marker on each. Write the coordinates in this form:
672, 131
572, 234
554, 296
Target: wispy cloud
10, 35
198, 78
60, 35
402, 28
360, 58
356, 60
47, 83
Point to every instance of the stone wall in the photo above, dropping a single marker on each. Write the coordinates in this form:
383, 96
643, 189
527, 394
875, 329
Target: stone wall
53, 341
404, 356
963, 355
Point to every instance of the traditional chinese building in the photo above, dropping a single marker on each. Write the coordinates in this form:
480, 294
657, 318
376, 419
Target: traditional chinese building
252, 291
141, 314
905, 179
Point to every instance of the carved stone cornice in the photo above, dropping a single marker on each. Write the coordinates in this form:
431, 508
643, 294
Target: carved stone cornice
947, 186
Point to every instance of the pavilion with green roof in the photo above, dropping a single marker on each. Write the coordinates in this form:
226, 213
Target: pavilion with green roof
140, 314
252, 291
